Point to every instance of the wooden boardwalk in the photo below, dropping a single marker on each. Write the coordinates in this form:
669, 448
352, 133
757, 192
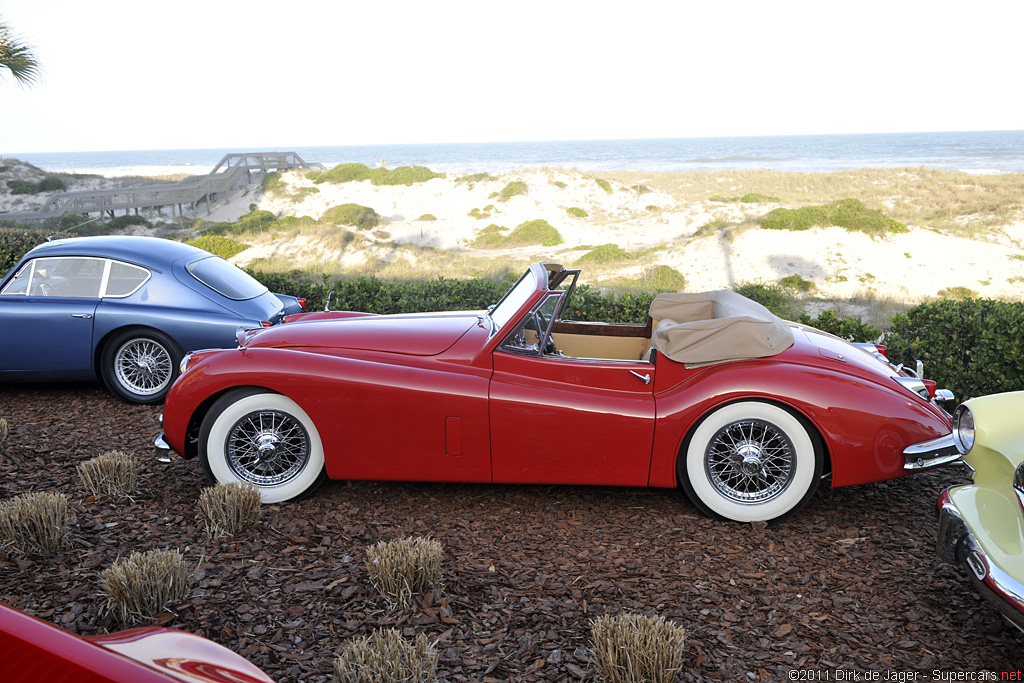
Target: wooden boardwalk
234, 173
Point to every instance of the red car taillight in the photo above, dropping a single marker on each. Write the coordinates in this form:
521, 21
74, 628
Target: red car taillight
882, 349
302, 303
266, 323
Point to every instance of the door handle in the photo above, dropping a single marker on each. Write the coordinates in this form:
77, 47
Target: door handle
645, 378
81, 315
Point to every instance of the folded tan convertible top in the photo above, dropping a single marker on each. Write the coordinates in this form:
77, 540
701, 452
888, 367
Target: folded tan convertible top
713, 327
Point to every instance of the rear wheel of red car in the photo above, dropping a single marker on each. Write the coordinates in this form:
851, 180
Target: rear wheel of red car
266, 439
139, 365
750, 461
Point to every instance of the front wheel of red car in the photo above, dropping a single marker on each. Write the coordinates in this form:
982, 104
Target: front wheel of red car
266, 439
751, 461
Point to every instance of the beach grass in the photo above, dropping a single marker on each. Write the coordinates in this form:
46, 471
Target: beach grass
958, 203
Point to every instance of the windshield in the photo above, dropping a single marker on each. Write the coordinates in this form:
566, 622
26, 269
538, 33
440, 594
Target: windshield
225, 279
514, 299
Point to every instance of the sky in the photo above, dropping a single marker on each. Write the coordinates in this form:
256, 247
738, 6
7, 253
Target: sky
129, 75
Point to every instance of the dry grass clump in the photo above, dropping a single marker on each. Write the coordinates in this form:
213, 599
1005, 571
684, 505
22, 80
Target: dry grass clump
387, 657
143, 585
231, 508
632, 648
5, 431
114, 474
404, 568
34, 523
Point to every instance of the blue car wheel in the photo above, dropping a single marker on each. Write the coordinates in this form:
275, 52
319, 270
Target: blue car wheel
140, 365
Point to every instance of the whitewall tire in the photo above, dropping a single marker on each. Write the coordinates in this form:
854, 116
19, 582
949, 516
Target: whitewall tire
266, 439
750, 461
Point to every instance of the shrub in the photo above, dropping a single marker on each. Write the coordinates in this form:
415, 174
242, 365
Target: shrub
34, 523
632, 648
491, 237
535, 232
113, 473
22, 187
603, 184
749, 198
231, 508
51, 184
474, 178
387, 657
576, 211
404, 175
342, 173
848, 328
124, 221
225, 247
145, 584
957, 293
427, 217
606, 253
362, 217
559, 184
640, 189
665, 279
404, 568
796, 283
480, 213
652, 208
775, 298
850, 214
513, 189
972, 347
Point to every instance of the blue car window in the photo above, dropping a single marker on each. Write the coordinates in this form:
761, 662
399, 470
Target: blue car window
125, 279
225, 279
75, 276
20, 282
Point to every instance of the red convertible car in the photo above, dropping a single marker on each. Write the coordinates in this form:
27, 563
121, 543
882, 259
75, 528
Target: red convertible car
36, 651
743, 411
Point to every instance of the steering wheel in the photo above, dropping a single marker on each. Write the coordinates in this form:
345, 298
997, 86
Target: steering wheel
43, 289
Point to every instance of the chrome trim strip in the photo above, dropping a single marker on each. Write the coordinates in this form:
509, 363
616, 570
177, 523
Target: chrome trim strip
929, 454
957, 545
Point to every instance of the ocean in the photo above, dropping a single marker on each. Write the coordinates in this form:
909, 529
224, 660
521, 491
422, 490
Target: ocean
980, 152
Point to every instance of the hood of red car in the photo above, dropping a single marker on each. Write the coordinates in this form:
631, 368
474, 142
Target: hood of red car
416, 335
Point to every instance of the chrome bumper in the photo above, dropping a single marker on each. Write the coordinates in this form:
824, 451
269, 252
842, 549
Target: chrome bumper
929, 454
956, 545
163, 450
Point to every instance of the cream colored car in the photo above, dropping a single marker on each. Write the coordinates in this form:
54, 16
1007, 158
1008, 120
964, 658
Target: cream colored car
981, 525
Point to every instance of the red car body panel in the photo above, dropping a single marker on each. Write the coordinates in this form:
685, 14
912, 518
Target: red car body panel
436, 398
35, 651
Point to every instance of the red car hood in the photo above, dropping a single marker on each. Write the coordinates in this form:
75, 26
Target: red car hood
415, 335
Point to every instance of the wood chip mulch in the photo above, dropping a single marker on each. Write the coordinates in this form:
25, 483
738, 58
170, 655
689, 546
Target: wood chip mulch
852, 582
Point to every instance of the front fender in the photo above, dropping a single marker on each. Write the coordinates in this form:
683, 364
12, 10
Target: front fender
864, 425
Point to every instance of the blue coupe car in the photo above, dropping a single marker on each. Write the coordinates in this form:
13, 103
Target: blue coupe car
124, 309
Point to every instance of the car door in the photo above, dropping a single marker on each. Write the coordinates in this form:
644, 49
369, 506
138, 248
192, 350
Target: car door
556, 419
47, 311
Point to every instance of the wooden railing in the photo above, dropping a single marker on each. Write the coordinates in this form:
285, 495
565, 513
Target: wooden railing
233, 173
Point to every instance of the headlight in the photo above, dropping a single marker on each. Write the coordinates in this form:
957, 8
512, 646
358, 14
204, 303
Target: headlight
183, 365
963, 429
1018, 479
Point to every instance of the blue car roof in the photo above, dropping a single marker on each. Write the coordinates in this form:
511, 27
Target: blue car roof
149, 251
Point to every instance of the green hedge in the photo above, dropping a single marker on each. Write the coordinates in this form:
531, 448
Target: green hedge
972, 348
14, 242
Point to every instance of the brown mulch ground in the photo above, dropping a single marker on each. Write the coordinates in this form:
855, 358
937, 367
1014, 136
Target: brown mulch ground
851, 582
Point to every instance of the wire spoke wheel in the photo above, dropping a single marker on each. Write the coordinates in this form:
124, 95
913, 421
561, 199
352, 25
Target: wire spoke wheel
750, 461
143, 366
267, 448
